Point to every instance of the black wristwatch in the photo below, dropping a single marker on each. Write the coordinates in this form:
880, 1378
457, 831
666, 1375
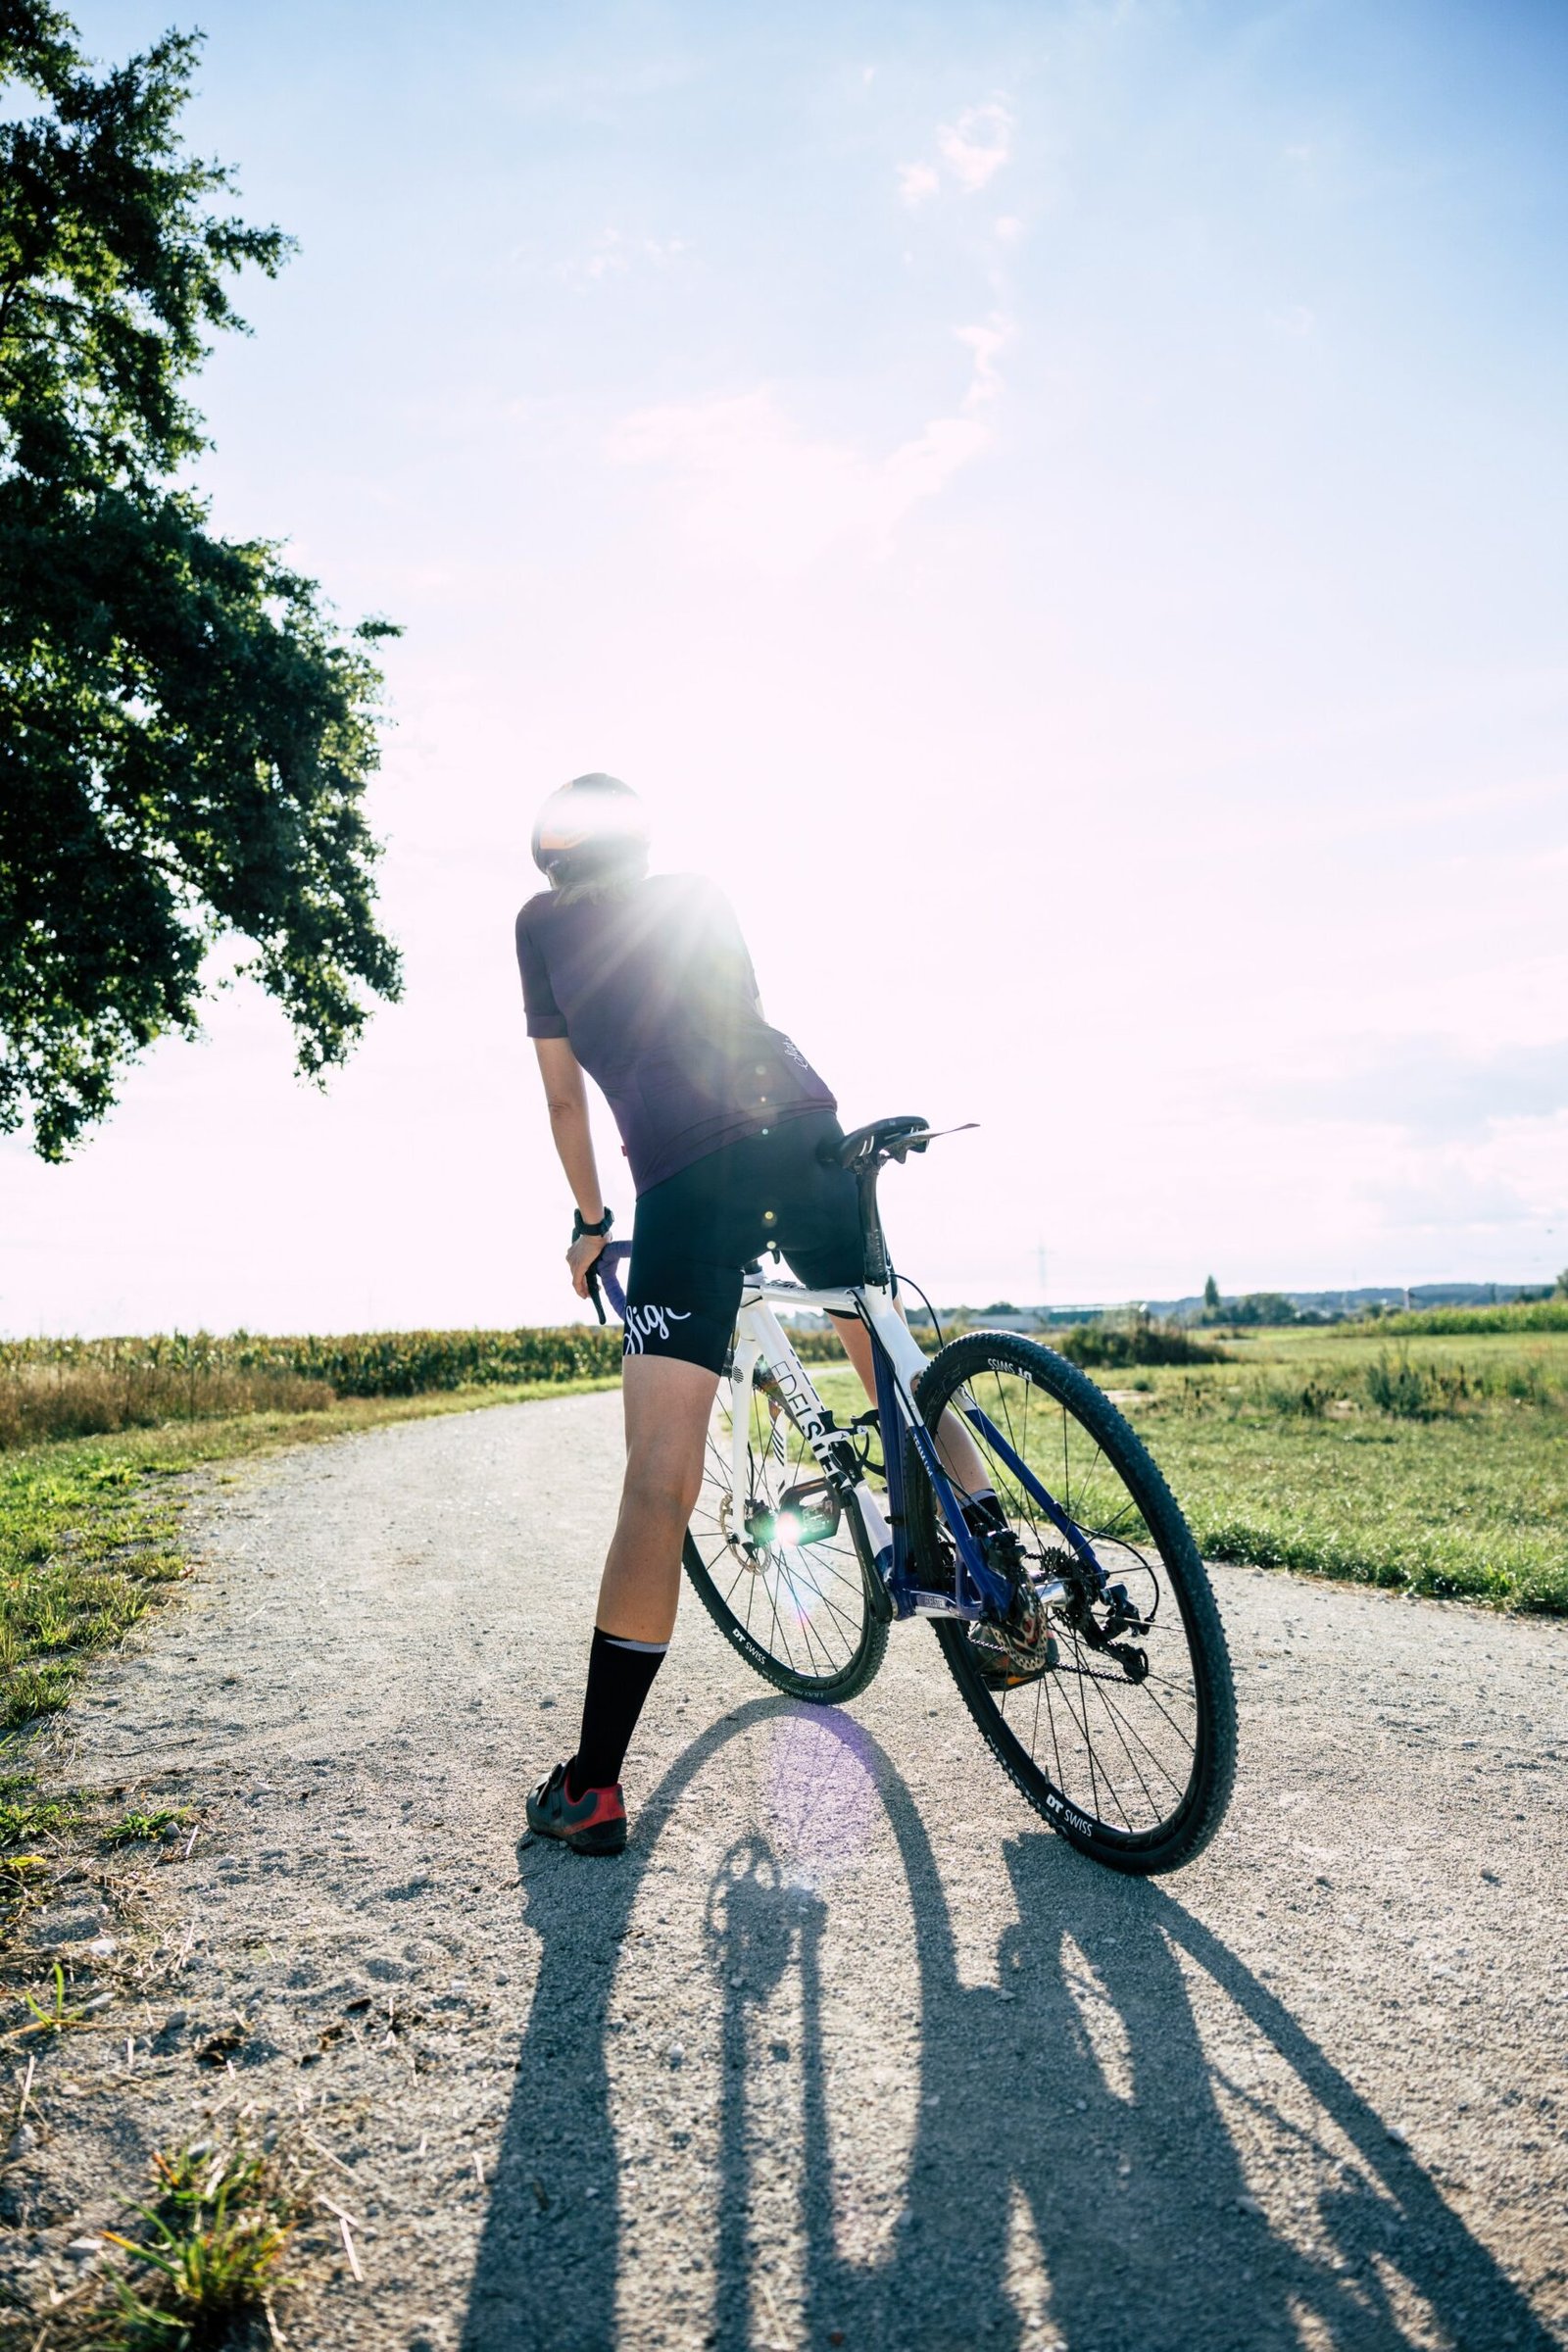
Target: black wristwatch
580, 1225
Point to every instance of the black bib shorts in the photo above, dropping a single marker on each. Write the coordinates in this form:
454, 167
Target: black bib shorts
697, 1231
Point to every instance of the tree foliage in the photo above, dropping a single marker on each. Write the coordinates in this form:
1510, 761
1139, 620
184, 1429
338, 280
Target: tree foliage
1256, 1307
185, 735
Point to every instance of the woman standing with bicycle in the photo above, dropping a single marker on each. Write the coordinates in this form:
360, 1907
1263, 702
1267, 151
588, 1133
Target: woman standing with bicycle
643, 983
1094, 1609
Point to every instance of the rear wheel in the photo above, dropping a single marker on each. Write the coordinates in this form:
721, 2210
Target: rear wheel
776, 1563
1106, 1696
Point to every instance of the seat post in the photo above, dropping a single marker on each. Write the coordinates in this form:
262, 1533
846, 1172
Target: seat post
877, 1270
865, 1149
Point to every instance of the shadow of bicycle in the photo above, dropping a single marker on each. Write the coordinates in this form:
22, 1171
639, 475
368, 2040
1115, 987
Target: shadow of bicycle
862, 2148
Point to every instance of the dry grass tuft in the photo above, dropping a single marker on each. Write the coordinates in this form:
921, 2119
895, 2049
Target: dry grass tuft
210, 2252
39, 1401
203, 2263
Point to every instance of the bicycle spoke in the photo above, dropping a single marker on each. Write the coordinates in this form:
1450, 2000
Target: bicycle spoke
1106, 1700
802, 1605
1118, 1742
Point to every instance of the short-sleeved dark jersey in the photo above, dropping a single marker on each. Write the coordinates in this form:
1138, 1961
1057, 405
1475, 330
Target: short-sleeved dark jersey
654, 990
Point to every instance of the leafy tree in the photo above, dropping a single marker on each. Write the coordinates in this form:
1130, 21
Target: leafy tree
1211, 1293
185, 736
1562, 1284
1261, 1306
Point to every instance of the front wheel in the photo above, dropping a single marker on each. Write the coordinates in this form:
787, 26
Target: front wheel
775, 1561
1106, 1696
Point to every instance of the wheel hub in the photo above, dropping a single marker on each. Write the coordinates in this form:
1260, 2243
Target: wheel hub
751, 1555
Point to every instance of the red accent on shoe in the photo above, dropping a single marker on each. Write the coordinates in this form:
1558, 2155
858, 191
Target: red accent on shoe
609, 1805
595, 1821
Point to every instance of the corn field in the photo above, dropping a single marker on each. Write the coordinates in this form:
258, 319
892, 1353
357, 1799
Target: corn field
90, 1388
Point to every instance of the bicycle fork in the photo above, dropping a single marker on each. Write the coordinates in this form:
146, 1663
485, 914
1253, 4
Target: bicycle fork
767, 1345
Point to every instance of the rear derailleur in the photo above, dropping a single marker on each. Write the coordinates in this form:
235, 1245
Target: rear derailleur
1085, 1593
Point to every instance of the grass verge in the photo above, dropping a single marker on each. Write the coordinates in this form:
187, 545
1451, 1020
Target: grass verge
89, 1529
1441, 1469
1460, 1509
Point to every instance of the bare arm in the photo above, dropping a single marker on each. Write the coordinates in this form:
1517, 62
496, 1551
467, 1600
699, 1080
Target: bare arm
567, 1098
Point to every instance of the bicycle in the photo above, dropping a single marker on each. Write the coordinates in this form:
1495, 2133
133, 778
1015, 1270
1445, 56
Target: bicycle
1077, 1596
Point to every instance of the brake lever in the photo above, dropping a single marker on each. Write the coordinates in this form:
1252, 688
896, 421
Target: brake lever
595, 1293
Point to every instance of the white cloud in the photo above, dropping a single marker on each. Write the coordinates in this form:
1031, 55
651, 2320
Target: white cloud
917, 182
1432, 1087
613, 254
1007, 229
749, 484
976, 146
972, 150
985, 342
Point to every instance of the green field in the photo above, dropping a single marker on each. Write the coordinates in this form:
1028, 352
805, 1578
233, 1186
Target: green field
1428, 1463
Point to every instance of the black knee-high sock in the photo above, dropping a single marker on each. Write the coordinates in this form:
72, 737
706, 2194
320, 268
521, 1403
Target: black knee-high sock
620, 1675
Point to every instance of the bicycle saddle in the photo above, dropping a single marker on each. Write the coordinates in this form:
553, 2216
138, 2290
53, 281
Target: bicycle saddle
884, 1139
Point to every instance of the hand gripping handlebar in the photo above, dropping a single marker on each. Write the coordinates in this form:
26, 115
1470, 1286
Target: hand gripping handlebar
605, 1283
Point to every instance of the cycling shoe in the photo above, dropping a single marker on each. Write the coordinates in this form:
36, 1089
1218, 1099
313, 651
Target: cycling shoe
594, 1823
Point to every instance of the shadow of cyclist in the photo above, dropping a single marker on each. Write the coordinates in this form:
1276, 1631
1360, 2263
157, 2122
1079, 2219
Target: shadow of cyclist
1074, 2177
557, 2226
1091, 2118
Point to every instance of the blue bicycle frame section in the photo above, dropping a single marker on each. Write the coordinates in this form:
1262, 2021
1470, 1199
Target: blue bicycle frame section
1032, 1487
991, 1593
988, 1590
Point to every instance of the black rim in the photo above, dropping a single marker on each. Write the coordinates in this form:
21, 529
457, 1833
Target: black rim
1116, 1725
804, 1605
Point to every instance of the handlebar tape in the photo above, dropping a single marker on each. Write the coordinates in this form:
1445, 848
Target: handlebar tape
604, 1282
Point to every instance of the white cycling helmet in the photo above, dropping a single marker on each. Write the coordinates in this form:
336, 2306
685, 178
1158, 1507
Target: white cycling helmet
589, 827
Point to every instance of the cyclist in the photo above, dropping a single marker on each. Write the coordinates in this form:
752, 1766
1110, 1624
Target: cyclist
643, 982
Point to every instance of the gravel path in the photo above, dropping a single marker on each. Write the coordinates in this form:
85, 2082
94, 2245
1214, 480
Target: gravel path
849, 2049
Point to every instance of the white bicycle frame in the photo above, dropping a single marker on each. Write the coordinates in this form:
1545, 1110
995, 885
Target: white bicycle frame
761, 1340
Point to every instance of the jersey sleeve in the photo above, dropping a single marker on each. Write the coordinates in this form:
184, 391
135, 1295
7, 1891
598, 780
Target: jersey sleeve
545, 1017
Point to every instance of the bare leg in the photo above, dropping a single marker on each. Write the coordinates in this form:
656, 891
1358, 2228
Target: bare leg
961, 1457
666, 1406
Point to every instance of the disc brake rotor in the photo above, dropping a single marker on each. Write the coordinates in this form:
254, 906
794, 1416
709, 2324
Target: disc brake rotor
750, 1555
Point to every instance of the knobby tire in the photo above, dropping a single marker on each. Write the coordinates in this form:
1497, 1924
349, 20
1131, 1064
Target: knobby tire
1191, 1820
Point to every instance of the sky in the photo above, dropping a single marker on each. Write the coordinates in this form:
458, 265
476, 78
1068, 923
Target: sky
1060, 508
